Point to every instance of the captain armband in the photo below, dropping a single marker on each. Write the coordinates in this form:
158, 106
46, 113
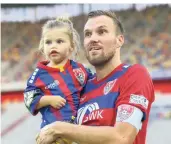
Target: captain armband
130, 114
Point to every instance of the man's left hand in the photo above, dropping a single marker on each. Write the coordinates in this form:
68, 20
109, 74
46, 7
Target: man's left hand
47, 135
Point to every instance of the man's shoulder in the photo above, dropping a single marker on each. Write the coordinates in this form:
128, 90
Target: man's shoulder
137, 68
137, 71
136, 74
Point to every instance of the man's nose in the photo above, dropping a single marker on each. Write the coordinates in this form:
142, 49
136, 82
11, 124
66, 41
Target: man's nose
94, 38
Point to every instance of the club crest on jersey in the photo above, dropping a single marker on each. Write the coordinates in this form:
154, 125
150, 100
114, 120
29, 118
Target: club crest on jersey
80, 75
124, 112
109, 86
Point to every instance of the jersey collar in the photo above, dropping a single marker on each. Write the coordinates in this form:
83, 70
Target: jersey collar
43, 65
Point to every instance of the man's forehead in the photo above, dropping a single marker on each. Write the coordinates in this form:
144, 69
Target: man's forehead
99, 21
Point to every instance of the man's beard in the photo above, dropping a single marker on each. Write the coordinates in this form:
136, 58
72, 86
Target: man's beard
101, 60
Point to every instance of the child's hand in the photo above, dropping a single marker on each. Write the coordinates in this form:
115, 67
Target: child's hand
57, 102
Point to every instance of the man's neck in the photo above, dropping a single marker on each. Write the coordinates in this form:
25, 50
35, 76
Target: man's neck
105, 70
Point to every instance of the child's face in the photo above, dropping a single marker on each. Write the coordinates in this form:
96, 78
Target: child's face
57, 45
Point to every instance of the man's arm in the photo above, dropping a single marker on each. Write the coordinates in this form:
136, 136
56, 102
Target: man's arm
122, 133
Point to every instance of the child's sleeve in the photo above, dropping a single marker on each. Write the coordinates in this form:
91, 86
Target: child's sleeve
32, 95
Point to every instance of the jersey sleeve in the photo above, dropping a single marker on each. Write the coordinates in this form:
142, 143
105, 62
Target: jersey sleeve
32, 95
136, 89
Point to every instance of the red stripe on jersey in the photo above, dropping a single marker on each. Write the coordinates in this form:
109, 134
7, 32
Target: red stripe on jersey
118, 68
56, 113
64, 88
47, 92
76, 84
100, 117
100, 91
40, 84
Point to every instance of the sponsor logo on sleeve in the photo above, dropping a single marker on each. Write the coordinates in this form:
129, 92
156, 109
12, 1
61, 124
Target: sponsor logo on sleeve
139, 99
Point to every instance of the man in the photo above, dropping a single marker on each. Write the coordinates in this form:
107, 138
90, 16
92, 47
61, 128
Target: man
115, 105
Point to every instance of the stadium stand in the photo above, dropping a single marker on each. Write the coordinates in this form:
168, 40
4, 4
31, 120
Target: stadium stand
147, 41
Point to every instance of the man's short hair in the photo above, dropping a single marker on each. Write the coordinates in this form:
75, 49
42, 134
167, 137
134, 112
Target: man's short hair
112, 15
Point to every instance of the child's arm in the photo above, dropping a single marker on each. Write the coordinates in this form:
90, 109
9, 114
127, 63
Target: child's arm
32, 96
54, 101
35, 99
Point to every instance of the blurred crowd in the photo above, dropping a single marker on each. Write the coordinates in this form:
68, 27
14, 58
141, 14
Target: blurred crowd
147, 41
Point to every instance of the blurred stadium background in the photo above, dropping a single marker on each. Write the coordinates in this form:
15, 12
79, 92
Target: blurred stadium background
147, 41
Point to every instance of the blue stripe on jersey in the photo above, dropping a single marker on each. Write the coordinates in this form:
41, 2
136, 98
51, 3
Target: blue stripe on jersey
115, 76
98, 103
91, 86
47, 116
48, 79
109, 99
74, 64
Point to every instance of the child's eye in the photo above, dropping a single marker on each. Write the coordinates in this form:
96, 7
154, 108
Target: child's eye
59, 41
48, 42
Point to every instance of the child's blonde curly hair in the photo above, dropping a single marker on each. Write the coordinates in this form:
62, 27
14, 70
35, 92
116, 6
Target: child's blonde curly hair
73, 34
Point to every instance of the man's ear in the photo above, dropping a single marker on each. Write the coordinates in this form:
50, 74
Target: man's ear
120, 40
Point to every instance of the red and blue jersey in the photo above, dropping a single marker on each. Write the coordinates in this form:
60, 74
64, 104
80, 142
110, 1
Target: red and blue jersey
124, 85
50, 81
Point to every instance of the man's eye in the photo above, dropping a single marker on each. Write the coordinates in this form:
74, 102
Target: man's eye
87, 34
102, 31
